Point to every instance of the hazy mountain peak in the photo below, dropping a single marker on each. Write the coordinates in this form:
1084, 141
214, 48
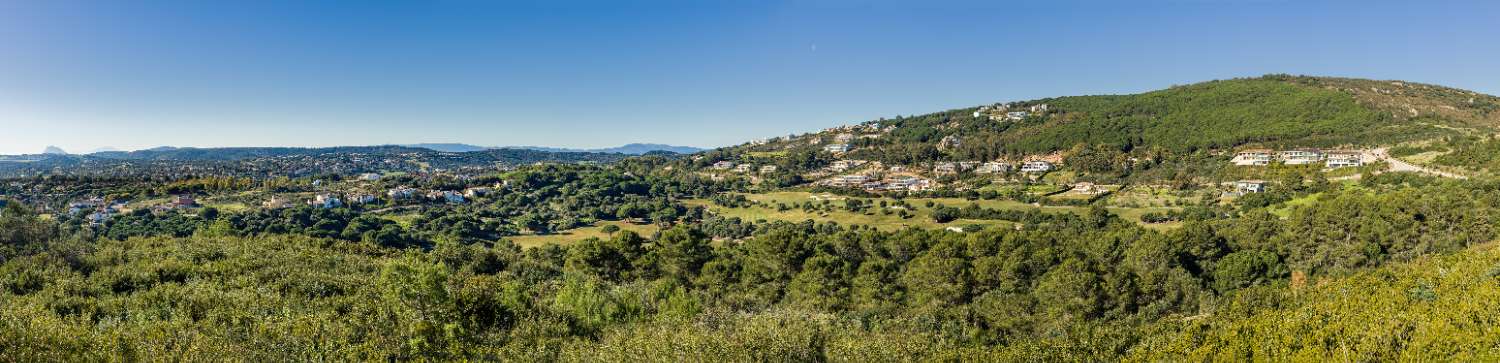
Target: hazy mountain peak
53, 150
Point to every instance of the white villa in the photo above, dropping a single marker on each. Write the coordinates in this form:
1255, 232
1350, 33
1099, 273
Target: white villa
993, 167
1300, 156
1253, 157
326, 201
945, 168
836, 148
361, 198
447, 196
723, 165
401, 193
848, 180
1036, 167
1341, 159
1250, 186
476, 192
914, 184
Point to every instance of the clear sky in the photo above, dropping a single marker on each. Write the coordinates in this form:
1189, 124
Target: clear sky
136, 74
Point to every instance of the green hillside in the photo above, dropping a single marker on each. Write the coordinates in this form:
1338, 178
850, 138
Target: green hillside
1270, 111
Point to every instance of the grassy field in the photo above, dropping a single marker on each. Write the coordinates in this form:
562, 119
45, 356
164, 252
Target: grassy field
765, 209
226, 206
578, 234
921, 217
404, 219
1284, 210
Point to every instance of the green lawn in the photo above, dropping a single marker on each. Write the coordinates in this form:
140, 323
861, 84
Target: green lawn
1285, 209
921, 218
766, 210
578, 234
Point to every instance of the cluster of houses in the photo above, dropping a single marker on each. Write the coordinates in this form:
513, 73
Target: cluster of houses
1330, 159
336, 200
1009, 111
891, 184
993, 167
744, 167
98, 211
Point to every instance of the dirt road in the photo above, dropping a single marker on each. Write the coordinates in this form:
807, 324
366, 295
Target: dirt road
1399, 165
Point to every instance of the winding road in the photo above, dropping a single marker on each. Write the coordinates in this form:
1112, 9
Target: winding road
1400, 165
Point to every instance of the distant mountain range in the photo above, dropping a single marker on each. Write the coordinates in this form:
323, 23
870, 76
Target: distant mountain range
630, 149
226, 153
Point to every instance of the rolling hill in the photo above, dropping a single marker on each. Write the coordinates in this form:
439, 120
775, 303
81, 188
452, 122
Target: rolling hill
1267, 111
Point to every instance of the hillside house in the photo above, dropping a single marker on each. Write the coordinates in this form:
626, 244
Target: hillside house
848, 180
768, 169
326, 201
1016, 115
744, 168
914, 184
1300, 156
836, 148
1036, 167
993, 167
361, 198
723, 165
843, 138
84, 205
369, 177
276, 203
448, 196
1253, 157
401, 193
1039, 108
1343, 159
1250, 186
477, 191
945, 168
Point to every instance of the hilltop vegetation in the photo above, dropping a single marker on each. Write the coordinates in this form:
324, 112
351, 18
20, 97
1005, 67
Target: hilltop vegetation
1276, 111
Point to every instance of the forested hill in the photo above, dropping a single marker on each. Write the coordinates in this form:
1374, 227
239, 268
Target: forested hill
1273, 111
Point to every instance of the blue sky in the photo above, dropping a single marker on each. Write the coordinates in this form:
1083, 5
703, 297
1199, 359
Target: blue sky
136, 74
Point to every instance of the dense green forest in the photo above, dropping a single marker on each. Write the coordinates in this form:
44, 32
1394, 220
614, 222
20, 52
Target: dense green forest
1064, 287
